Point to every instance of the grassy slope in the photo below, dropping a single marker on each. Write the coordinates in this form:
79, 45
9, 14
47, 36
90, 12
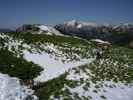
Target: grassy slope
12, 61
19, 67
103, 69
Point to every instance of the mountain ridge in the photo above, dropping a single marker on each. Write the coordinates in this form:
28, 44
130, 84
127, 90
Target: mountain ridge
38, 29
120, 33
112, 33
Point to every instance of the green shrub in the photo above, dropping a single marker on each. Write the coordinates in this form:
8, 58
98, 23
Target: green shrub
17, 66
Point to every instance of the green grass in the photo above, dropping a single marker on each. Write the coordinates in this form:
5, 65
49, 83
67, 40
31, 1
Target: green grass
17, 66
34, 38
54, 88
69, 46
105, 69
51, 87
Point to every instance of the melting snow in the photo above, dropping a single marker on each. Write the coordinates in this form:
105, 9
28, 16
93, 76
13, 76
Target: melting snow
106, 89
10, 89
50, 30
100, 41
119, 92
52, 68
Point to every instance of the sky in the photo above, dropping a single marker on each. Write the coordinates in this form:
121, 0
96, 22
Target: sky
14, 13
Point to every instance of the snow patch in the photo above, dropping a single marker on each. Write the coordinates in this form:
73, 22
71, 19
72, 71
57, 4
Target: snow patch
100, 41
80, 24
52, 67
119, 92
50, 30
10, 89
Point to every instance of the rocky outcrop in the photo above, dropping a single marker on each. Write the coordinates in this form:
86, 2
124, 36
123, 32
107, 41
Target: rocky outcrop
27, 28
131, 44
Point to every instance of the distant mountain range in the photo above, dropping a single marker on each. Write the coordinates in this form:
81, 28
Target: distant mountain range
3, 30
113, 33
122, 33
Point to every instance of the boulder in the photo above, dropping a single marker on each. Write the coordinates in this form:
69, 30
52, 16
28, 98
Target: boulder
131, 44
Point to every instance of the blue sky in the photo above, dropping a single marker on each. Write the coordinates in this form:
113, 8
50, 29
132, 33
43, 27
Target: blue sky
14, 13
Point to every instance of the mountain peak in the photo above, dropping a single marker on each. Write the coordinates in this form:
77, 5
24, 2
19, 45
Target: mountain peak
71, 23
80, 24
39, 29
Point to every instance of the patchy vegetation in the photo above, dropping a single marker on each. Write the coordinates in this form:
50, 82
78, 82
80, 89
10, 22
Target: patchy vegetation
92, 81
112, 69
17, 66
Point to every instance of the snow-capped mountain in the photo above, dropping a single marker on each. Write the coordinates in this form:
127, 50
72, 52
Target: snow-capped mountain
126, 27
79, 24
38, 29
74, 24
76, 27
105, 32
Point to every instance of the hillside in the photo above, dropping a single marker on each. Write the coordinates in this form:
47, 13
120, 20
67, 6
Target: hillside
60, 67
38, 29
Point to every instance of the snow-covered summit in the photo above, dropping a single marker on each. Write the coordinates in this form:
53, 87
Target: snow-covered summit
38, 29
80, 24
124, 26
49, 30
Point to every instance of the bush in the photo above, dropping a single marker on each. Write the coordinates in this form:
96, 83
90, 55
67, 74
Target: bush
17, 66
